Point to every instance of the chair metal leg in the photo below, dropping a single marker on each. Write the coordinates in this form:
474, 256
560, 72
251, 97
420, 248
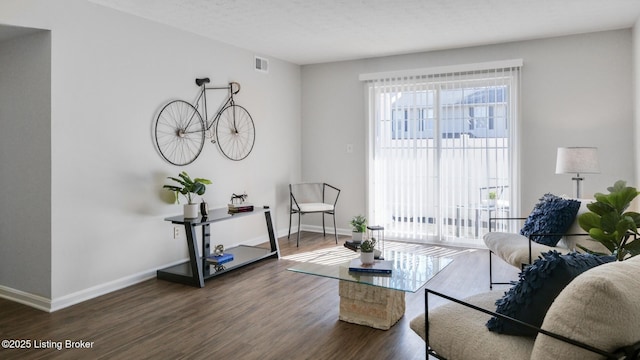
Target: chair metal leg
324, 232
290, 213
491, 282
298, 239
490, 272
426, 322
335, 230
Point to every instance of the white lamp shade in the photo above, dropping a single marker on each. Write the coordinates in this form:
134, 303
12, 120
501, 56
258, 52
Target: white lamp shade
577, 160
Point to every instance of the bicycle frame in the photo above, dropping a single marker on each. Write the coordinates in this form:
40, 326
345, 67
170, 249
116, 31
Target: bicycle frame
202, 98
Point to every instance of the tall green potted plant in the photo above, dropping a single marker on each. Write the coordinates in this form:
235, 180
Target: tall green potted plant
359, 227
187, 187
609, 223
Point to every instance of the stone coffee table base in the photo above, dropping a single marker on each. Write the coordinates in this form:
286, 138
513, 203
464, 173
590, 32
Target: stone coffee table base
368, 305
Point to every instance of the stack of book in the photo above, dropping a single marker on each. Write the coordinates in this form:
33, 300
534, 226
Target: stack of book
352, 245
237, 208
378, 267
220, 259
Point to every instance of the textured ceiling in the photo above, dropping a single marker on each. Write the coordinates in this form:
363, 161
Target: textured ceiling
315, 31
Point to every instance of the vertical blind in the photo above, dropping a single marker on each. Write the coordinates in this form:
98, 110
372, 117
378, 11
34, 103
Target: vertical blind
442, 150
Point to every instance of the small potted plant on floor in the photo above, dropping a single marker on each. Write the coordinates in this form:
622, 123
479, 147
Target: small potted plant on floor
359, 225
367, 251
188, 187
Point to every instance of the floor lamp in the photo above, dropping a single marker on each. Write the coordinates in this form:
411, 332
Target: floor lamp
577, 160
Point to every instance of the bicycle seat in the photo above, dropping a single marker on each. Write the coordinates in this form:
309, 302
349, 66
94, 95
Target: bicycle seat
201, 81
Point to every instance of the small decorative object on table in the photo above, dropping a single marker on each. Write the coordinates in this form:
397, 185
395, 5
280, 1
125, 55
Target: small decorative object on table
238, 204
187, 187
366, 251
219, 250
204, 208
359, 224
377, 232
238, 199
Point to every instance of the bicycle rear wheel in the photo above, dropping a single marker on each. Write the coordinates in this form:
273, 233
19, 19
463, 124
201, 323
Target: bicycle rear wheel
235, 132
179, 133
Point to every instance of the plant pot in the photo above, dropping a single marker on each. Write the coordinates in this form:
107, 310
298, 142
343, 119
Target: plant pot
357, 236
191, 211
366, 258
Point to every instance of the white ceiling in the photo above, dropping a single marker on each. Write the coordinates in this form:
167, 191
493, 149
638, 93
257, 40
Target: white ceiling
315, 31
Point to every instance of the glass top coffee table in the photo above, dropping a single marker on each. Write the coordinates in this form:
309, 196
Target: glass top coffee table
375, 300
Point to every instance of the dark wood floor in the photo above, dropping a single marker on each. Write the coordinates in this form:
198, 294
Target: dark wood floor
261, 311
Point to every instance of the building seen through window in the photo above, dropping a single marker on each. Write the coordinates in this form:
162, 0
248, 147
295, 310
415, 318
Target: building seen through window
476, 112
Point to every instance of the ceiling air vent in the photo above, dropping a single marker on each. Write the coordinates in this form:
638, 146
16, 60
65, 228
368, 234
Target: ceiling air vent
262, 64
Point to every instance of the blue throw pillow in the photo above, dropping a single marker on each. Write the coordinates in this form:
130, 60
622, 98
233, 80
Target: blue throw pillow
551, 215
540, 283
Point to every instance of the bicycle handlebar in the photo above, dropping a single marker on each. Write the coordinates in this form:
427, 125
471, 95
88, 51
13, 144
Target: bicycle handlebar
237, 85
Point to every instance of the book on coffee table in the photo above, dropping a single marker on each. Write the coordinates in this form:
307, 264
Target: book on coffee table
378, 266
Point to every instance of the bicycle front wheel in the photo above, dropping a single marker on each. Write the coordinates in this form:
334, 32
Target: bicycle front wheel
235, 132
179, 133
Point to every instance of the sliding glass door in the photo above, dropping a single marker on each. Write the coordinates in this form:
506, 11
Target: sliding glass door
441, 154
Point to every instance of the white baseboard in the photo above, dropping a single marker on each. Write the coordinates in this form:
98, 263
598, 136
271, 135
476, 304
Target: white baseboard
315, 229
124, 282
34, 301
49, 305
102, 289
329, 229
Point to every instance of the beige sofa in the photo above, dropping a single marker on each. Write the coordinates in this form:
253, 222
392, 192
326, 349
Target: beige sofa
599, 308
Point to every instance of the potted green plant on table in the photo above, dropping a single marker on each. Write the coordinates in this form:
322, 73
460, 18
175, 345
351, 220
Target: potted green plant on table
367, 251
359, 225
187, 187
609, 223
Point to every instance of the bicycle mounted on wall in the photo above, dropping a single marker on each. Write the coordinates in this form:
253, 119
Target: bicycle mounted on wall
180, 129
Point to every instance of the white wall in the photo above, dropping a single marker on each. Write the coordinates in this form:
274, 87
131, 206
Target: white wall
25, 164
576, 91
111, 73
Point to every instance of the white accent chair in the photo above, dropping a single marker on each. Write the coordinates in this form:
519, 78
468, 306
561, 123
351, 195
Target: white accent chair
520, 251
313, 198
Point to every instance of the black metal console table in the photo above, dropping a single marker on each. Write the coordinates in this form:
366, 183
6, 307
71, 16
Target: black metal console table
198, 269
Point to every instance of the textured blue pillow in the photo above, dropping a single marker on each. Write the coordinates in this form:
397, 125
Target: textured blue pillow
551, 215
530, 298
